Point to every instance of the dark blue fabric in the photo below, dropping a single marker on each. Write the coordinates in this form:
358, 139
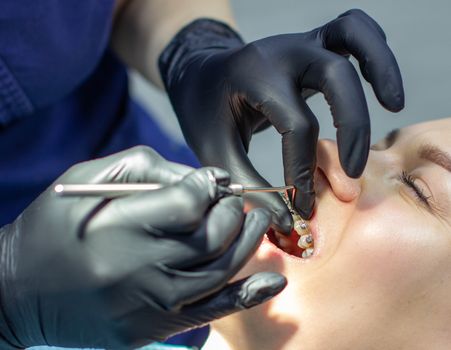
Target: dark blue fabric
48, 47
64, 99
95, 120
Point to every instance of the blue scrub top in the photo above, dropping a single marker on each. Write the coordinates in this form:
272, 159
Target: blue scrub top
64, 99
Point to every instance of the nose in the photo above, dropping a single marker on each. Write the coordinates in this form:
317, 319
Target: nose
345, 188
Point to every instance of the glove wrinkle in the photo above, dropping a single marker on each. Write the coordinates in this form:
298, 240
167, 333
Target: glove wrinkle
8, 337
81, 232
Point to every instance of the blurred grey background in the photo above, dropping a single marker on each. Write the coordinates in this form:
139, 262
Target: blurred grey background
418, 32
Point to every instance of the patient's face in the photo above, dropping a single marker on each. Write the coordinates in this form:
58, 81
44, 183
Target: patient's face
380, 276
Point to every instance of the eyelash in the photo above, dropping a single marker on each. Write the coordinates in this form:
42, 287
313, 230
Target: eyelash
409, 181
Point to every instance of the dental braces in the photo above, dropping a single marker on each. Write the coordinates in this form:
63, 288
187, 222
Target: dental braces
301, 227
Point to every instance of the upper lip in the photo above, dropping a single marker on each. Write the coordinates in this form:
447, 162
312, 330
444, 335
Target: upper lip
317, 239
320, 173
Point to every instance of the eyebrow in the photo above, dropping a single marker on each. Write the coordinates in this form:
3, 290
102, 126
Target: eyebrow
435, 155
428, 152
391, 137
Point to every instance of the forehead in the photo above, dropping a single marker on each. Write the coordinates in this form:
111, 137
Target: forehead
436, 131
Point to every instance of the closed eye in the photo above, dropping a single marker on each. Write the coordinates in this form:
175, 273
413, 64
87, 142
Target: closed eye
409, 181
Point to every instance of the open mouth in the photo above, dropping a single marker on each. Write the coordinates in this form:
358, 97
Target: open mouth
299, 244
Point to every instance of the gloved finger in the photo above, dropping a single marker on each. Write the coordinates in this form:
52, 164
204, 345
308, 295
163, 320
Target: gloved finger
173, 209
370, 21
237, 296
230, 154
337, 79
137, 164
217, 232
299, 128
355, 33
194, 284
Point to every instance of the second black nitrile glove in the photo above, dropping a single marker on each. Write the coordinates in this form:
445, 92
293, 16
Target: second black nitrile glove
90, 272
223, 91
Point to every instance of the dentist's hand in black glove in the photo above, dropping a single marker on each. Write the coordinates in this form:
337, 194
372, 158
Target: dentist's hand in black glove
224, 91
90, 272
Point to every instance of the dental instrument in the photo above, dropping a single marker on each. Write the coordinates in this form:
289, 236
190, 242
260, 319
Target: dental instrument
112, 190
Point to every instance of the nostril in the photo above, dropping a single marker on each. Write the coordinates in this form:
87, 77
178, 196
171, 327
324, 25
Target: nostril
345, 188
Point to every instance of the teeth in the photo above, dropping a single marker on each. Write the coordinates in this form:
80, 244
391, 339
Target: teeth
300, 226
305, 241
307, 253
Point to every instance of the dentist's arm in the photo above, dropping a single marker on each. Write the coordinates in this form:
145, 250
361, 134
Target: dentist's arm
142, 28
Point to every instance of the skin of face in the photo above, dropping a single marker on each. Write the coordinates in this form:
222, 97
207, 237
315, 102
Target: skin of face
381, 274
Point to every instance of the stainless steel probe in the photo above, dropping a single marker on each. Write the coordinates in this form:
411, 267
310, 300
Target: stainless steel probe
113, 190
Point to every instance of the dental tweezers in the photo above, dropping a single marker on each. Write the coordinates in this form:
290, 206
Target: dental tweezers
113, 190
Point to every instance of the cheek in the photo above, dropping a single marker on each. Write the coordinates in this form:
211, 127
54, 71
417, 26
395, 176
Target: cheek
391, 248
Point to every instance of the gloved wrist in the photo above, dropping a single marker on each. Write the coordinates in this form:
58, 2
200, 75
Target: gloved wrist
8, 339
199, 36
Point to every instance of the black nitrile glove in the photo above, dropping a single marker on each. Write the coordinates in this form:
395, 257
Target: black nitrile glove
91, 272
223, 91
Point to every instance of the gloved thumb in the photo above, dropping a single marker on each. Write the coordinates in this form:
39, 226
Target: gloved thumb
237, 296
